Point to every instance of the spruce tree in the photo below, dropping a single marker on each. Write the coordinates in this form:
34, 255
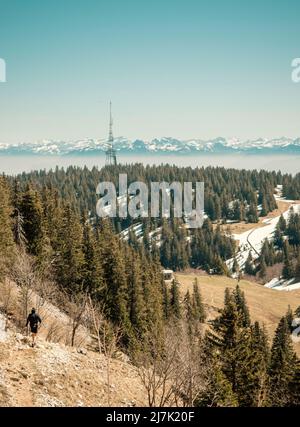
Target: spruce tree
235, 266
289, 318
175, 303
189, 313
242, 306
154, 288
18, 223
252, 216
242, 350
249, 267
278, 237
92, 272
252, 372
227, 336
263, 269
32, 214
198, 307
282, 223
297, 267
287, 270
7, 247
115, 297
218, 392
295, 386
136, 302
282, 366
69, 258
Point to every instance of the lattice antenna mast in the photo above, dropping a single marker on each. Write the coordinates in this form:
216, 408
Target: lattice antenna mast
111, 157
110, 135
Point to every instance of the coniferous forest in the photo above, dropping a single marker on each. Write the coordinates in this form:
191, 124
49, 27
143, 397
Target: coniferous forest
230, 195
49, 218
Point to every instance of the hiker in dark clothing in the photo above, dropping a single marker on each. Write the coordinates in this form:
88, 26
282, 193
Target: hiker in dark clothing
33, 319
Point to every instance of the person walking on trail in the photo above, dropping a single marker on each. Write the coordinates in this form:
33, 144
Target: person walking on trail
33, 319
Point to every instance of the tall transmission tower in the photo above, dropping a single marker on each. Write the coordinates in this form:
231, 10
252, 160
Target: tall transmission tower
111, 157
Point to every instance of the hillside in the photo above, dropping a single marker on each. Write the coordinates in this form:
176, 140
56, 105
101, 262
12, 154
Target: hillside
266, 305
55, 374
52, 374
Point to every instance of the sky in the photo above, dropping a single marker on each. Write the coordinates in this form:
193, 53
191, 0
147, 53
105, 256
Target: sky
186, 69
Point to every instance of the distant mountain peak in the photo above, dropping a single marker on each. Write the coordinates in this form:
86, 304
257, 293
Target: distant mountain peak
166, 144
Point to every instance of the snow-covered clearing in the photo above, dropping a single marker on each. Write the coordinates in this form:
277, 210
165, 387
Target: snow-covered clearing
282, 285
252, 240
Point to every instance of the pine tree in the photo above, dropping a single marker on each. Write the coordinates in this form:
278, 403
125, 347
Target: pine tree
293, 229
288, 270
32, 214
282, 223
282, 366
235, 266
249, 267
218, 392
18, 223
268, 252
115, 297
92, 275
188, 306
166, 301
154, 288
264, 207
227, 336
252, 216
289, 318
295, 386
297, 267
7, 247
278, 237
237, 211
136, 302
198, 307
69, 258
263, 269
243, 351
219, 267
245, 370
242, 306
175, 303
252, 372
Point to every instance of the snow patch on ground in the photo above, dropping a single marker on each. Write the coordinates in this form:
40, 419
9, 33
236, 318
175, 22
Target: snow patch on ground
282, 285
252, 240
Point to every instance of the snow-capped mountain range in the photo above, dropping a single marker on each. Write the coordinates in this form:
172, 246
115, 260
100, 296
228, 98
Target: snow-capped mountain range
162, 145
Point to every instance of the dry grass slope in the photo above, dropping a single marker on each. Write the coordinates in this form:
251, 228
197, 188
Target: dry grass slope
265, 305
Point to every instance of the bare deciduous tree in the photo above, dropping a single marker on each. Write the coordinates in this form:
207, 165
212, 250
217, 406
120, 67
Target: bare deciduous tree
76, 306
24, 275
107, 338
170, 369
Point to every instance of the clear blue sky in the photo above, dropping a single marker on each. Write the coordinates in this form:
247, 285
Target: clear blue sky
186, 69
